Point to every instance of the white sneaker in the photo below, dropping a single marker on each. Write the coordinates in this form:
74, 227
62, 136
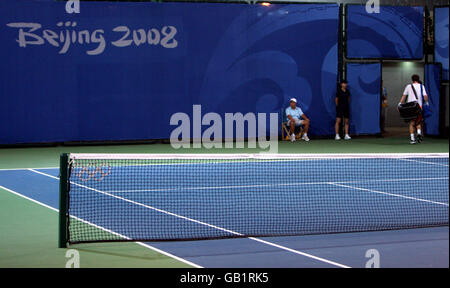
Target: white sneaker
337, 137
347, 137
293, 138
305, 137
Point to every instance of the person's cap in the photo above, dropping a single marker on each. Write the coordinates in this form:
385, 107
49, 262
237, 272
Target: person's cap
293, 100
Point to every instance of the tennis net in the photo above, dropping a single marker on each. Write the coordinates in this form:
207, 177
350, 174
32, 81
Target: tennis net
149, 197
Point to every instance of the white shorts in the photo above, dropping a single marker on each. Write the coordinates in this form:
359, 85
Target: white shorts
298, 122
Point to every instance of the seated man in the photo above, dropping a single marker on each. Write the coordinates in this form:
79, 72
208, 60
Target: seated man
294, 114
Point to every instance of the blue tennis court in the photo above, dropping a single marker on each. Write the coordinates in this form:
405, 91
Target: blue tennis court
331, 197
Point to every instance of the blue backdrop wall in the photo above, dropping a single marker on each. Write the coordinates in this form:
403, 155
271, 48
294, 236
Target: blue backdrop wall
118, 71
441, 32
364, 82
433, 86
394, 33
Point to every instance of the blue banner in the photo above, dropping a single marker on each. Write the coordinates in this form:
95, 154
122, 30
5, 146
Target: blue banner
118, 71
433, 86
394, 33
441, 32
364, 82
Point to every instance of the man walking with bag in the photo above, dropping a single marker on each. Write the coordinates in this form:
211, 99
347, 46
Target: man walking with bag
415, 92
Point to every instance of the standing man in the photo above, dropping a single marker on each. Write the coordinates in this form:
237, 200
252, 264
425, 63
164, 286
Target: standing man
414, 93
294, 115
342, 109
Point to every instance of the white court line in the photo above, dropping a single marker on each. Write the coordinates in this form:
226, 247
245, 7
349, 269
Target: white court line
203, 223
390, 194
275, 185
236, 161
14, 169
424, 162
102, 228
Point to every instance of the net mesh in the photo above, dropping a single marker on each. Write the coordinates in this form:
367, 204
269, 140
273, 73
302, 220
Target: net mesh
132, 197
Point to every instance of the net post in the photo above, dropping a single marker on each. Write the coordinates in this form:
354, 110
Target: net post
63, 197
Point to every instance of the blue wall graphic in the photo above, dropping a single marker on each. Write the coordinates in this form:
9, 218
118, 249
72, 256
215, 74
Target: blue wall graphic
441, 32
433, 86
118, 71
364, 82
396, 32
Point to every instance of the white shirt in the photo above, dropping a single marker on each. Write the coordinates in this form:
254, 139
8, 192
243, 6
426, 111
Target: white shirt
410, 93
